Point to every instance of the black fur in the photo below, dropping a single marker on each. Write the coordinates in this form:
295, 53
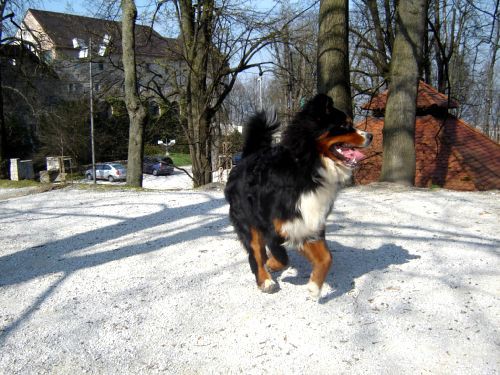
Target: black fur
268, 181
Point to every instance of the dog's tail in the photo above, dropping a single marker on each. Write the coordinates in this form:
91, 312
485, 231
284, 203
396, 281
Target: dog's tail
258, 132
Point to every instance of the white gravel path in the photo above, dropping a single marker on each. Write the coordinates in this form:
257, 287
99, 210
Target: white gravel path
125, 282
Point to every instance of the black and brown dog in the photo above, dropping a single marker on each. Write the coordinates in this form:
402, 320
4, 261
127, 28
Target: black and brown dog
282, 194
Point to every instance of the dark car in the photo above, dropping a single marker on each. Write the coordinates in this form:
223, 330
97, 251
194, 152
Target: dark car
237, 158
158, 166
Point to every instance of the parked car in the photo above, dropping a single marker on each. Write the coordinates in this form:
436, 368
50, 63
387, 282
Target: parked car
108, 171
237, 158
158, 166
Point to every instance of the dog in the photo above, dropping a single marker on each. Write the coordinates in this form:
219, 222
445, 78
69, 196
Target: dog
281, 195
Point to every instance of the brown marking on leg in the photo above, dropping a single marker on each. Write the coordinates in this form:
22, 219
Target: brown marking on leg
321, 259
278, 227
263, 278
274, 264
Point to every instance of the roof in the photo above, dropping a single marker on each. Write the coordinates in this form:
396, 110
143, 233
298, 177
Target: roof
450, 154
427, 97
62, 28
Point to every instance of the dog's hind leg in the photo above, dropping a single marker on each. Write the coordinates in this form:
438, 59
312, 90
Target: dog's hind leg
279, 257
321, 259
257, 257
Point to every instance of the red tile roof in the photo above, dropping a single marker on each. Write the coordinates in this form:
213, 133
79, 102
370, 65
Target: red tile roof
427, 97
450, 154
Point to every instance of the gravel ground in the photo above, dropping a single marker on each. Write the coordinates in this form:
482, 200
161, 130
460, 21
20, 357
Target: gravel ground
126, 282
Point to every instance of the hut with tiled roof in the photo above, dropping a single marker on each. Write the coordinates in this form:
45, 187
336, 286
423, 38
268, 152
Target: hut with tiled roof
449, 152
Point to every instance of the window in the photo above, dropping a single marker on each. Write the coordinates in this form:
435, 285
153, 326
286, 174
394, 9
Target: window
101, 67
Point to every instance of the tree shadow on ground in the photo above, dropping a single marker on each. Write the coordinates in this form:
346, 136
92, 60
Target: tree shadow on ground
61, 256
348, 264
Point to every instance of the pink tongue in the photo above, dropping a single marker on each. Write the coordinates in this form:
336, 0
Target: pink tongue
352, 154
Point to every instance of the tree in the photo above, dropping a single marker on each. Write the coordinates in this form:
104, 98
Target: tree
491, 121
217, 42
398, 163
459, 51
196, 24
64, 131
3, 143
9, 11
295, 59
333, 53
136, 110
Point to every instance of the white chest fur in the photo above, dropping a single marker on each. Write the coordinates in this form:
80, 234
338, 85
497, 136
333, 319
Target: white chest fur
315, 206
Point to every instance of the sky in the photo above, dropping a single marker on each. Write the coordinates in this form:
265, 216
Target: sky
84, 8
81, 7
77, 7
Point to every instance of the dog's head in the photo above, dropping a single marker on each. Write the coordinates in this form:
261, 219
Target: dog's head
336, 138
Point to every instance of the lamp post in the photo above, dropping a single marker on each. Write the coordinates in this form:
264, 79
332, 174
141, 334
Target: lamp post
167, 145
91, 94
261, 73
86, 51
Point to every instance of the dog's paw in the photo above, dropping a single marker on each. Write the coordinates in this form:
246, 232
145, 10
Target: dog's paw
314, 290
269, 286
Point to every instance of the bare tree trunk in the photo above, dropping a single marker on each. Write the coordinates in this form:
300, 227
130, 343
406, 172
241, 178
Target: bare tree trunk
399, 129
196, 38
207, 74
3, 134
489, 123
440, 51
333, 53
136, 111
380, 53
3, 141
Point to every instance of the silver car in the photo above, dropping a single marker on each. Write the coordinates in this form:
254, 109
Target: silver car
108, 171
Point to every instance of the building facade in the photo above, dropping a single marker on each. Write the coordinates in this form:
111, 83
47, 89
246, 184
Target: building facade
62, 42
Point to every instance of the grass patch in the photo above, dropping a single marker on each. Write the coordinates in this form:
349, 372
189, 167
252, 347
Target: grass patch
10, 184
180, 159
105, 187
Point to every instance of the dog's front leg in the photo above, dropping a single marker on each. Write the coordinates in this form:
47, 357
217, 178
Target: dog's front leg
321, 259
